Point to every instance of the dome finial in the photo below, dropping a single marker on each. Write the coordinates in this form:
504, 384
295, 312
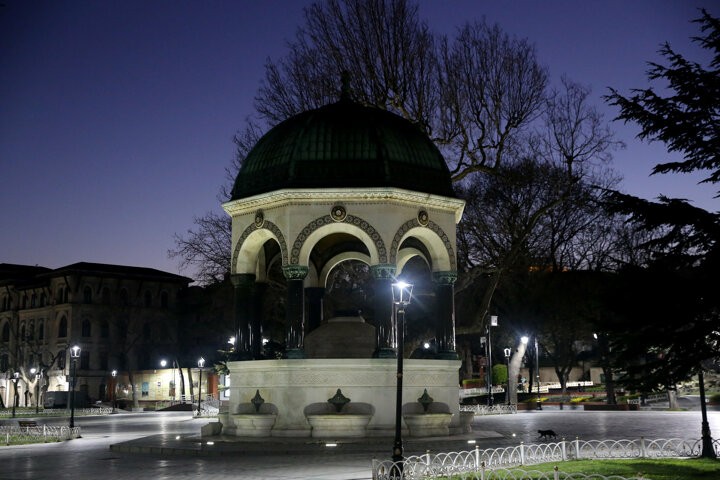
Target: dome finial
345, 88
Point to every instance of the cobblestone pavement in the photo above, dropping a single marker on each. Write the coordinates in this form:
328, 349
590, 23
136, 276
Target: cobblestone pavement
135, 437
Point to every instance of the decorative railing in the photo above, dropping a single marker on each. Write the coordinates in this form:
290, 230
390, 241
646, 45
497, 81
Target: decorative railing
210, 407
40, 433
467, 464
489, 410
56, 412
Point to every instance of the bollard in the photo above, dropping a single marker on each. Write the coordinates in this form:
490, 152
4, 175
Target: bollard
477, 457
563, 450
556, 473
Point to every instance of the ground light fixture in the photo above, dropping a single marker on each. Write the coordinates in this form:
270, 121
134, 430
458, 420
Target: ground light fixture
402, 295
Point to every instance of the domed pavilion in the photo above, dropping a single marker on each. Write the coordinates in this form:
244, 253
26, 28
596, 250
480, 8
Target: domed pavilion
344, 182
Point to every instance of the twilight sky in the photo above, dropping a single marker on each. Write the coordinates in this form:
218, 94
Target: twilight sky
117, 117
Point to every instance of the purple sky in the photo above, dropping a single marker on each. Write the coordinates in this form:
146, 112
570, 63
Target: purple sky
117, 117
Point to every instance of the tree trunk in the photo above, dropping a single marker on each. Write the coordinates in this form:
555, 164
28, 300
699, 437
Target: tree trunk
135, 401
672, 398
182, 381
190, 382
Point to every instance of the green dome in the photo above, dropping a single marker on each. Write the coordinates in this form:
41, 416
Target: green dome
344, 145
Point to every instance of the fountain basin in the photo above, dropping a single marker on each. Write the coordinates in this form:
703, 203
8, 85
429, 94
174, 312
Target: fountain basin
336, 425
428, 424
248, 424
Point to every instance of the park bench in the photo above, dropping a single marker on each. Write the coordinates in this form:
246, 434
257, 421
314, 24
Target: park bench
27, 424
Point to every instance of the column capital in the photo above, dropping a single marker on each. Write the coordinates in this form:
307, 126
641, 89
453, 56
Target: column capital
445, 278
242, 279
295, 272
383, 271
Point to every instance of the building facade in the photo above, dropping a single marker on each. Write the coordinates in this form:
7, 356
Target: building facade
122, 318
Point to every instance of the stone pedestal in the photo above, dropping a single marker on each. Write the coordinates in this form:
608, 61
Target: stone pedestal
296, 389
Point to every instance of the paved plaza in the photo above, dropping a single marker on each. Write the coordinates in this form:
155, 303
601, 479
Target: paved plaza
168, 446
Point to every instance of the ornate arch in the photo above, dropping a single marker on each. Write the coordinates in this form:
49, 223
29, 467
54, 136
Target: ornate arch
432, 226
252, 228
320, 222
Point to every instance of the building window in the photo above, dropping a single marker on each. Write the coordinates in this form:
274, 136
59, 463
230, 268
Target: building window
62, 328
85, 360
4, 363
33, 300
148, 299
103, 361
104, 329
87, 295
147, 330
62, 359
41, 330
124, 301
24, 301
6, 332
86, 328
164, 299
22, 332
43, 299
106, 295
60, 295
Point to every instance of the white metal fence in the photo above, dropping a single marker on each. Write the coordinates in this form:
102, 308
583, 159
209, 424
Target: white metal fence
475, 464
44, 433
497, 409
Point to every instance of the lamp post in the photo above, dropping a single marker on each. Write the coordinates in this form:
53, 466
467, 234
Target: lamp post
402, 294
163, 364
707, 444
201, 364
112, 389
74, 355
38, 377
537, 373
488, 356
15, 378
507, 361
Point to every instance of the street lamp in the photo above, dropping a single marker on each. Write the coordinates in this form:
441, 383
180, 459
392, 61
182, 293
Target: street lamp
112, 389
15, 378
163, 364
488, 356
402, 294
201, 364
507, 361
74, 355
537, 373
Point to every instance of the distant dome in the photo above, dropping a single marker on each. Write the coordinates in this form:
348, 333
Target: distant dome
344, 145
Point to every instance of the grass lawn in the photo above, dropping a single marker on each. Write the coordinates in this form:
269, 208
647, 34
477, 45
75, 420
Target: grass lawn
660, 469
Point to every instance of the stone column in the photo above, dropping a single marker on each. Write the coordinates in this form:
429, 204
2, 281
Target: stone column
383, 277
295, 310
244, 304
445, 314
315, 307
257, 321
